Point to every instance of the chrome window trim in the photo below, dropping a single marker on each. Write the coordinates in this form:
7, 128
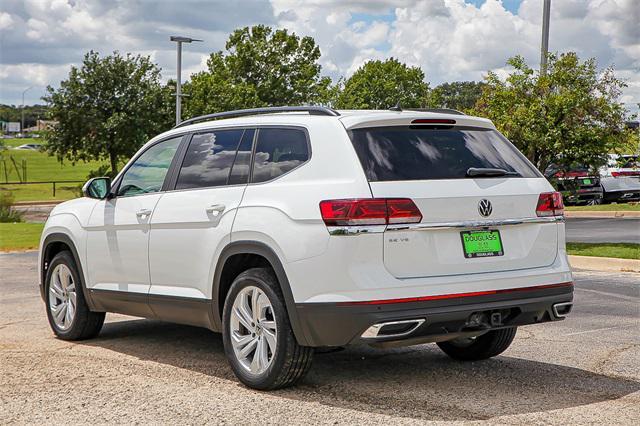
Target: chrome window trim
433, 226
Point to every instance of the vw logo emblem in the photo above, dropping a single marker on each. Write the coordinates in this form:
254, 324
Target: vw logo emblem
485, 208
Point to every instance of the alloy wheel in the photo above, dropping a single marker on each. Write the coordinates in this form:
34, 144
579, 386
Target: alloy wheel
253, 330
62, 297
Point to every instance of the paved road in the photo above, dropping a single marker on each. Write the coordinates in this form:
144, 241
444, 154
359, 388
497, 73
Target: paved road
579, 371
620, 230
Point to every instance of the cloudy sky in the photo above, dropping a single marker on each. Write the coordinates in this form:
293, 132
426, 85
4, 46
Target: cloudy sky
450, 39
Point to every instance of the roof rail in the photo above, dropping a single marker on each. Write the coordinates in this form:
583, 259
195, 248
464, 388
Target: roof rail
312, 110
440, 110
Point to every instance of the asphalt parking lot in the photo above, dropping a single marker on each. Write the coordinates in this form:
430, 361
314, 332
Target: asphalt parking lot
603, 230
582, 370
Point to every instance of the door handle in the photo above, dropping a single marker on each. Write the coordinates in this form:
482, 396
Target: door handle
215, 209
143, 212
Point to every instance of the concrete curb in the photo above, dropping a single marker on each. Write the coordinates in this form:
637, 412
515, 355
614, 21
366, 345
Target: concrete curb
37, 203
601, 215
607, 264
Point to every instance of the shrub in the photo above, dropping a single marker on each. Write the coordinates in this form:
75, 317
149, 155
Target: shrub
6, 213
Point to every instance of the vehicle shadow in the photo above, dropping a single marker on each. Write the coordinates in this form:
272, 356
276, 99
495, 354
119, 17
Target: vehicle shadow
417, 382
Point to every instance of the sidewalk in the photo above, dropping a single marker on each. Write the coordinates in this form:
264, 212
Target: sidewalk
607, 264
601, 215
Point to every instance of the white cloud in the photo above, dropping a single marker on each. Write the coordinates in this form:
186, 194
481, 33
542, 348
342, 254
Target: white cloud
6, 21
449, 39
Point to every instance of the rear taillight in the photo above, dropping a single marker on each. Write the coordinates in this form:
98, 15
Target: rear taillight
369, 211
625, 173
550, 204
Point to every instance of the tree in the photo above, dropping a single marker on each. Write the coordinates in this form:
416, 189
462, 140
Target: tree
460, 95
384, 84
260, 67
32, 113
107, 109
569, 116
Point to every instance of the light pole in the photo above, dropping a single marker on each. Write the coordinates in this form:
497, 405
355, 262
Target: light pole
22, 109
179, 40
544, 48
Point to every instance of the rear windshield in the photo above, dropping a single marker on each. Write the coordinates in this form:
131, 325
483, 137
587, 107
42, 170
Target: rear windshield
417, 153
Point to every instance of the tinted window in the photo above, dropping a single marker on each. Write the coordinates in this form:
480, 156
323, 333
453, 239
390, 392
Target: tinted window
403, 153
279, 151
147, 173
242, 165
209, 158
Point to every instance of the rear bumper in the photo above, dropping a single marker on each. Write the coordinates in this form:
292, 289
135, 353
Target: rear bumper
626, 195
437, 317
583, 195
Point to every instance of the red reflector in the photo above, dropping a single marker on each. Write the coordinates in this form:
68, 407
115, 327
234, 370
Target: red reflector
454, 295
433, 121
369, 211
550, 204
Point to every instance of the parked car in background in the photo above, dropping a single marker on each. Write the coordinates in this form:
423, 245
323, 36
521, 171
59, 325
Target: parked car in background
579, 185
620, 178
29, 146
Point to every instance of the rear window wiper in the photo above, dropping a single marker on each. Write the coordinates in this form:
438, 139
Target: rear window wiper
489, 172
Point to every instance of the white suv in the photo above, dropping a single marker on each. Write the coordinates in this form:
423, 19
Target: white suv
293, 228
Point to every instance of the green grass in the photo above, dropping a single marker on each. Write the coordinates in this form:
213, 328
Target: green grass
41, 167
20, 236
619, 250
634, 207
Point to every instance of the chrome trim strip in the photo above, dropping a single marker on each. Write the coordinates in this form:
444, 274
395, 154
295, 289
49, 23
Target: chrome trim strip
473, 224
356, 230
376, 229
373, 331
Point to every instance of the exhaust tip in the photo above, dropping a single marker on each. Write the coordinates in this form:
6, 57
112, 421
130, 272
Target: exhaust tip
392, 329
561, 310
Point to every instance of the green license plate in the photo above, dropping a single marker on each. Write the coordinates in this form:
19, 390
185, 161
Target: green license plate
586, 181
481, 243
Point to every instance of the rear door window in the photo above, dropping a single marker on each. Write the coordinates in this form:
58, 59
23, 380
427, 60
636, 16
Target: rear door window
418, 153
279, 151
209, 159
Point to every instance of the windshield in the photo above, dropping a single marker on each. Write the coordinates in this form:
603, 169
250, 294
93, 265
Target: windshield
418, 153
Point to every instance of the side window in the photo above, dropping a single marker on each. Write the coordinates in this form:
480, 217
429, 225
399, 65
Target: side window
242, 165
209, 159
277, 152
147, 173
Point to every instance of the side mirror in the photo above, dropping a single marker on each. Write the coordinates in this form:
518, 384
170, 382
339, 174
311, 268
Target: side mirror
97, 188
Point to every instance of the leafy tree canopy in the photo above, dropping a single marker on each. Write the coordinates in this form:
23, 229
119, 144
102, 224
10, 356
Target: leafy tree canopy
569, 116
384, 84
32, 113
260, 67
460, 95
107, 109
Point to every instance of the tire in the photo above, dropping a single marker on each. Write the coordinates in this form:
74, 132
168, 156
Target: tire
62, 285
485, 346
270, 329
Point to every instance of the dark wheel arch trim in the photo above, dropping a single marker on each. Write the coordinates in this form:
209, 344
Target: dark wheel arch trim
57, 237
261, 249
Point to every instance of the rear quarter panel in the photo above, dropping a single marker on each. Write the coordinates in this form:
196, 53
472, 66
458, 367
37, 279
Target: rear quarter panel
285, 214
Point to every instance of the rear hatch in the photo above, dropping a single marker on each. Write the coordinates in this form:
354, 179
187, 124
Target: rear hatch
432, 166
